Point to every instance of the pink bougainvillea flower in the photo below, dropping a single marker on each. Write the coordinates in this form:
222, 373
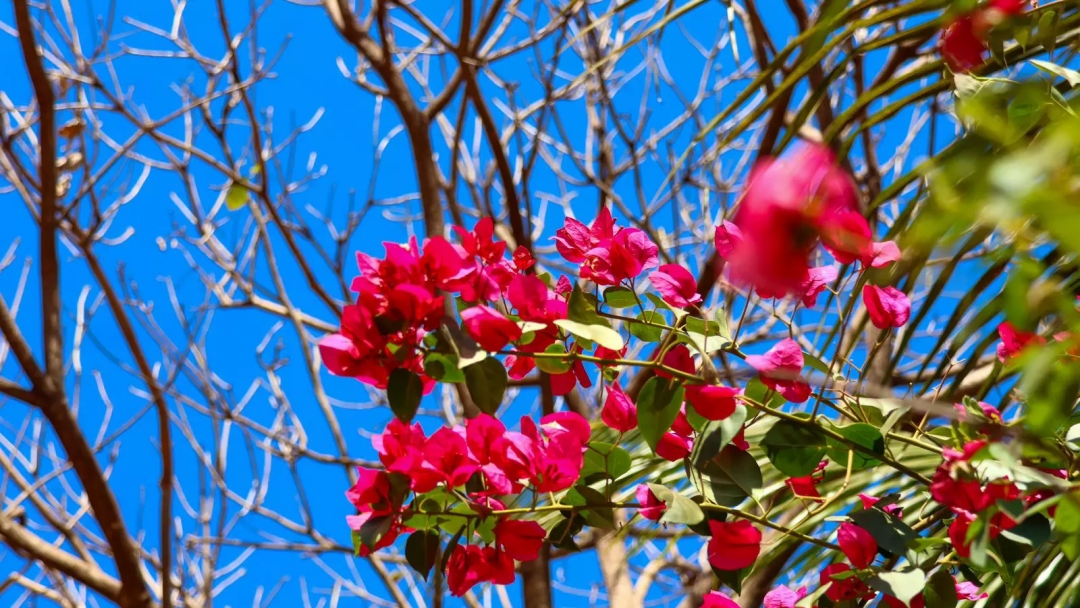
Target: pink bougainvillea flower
739, 440
715, 599
783, 597
551, 461
1014, 341
625, 256
806, 487
869, 501
371, 488
672, 447
491, 330
358, 521
728, 237
478, 241
958, 530
817, 279
968, 591
779, 369
846, 234
887, 306
846, 588
446, 455
677, 286
529, 297
712, 402
575, 239
679, 358
857, 544
520, 539
567, 422
790, 203
619, 411
652, 508
885, 253
734, 545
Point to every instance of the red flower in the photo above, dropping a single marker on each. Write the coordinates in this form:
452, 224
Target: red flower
523, 259
481, 435
961, 47
712, 402
844, 589
469, 565
790, 203
678, 358
806, 487
858, 546
520, 539
817, 279
887, 307
672, 447
652, 508
734, 545
676, 285
1013, 341
715, 599
550, 462
779, 369
491, 330
916, 602
846, 234
619, 411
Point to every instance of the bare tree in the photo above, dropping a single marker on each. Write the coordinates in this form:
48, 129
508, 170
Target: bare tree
178, 335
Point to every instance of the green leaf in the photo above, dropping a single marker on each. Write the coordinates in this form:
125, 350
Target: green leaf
1017, 542
404, 391
601, 334
903, 584
371, 532
554, 366
647, 333
1047, 30
795, 450
733, 578
1072, 76
580, 310
443, 367
609, 460
715, 435
487, 384
657, 408
680, 509
860, 434
940, 591
756, 390
598, 515
890, 532
815, 363
729, 478
421, 551
562, 534
236, 197
620, 297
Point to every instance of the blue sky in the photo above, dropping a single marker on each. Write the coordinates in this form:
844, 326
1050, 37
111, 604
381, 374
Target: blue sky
307, 83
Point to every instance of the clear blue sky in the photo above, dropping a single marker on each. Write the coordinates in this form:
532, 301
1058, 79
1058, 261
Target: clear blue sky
307, 80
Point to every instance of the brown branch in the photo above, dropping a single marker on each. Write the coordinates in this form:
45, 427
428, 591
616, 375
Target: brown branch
36, 548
